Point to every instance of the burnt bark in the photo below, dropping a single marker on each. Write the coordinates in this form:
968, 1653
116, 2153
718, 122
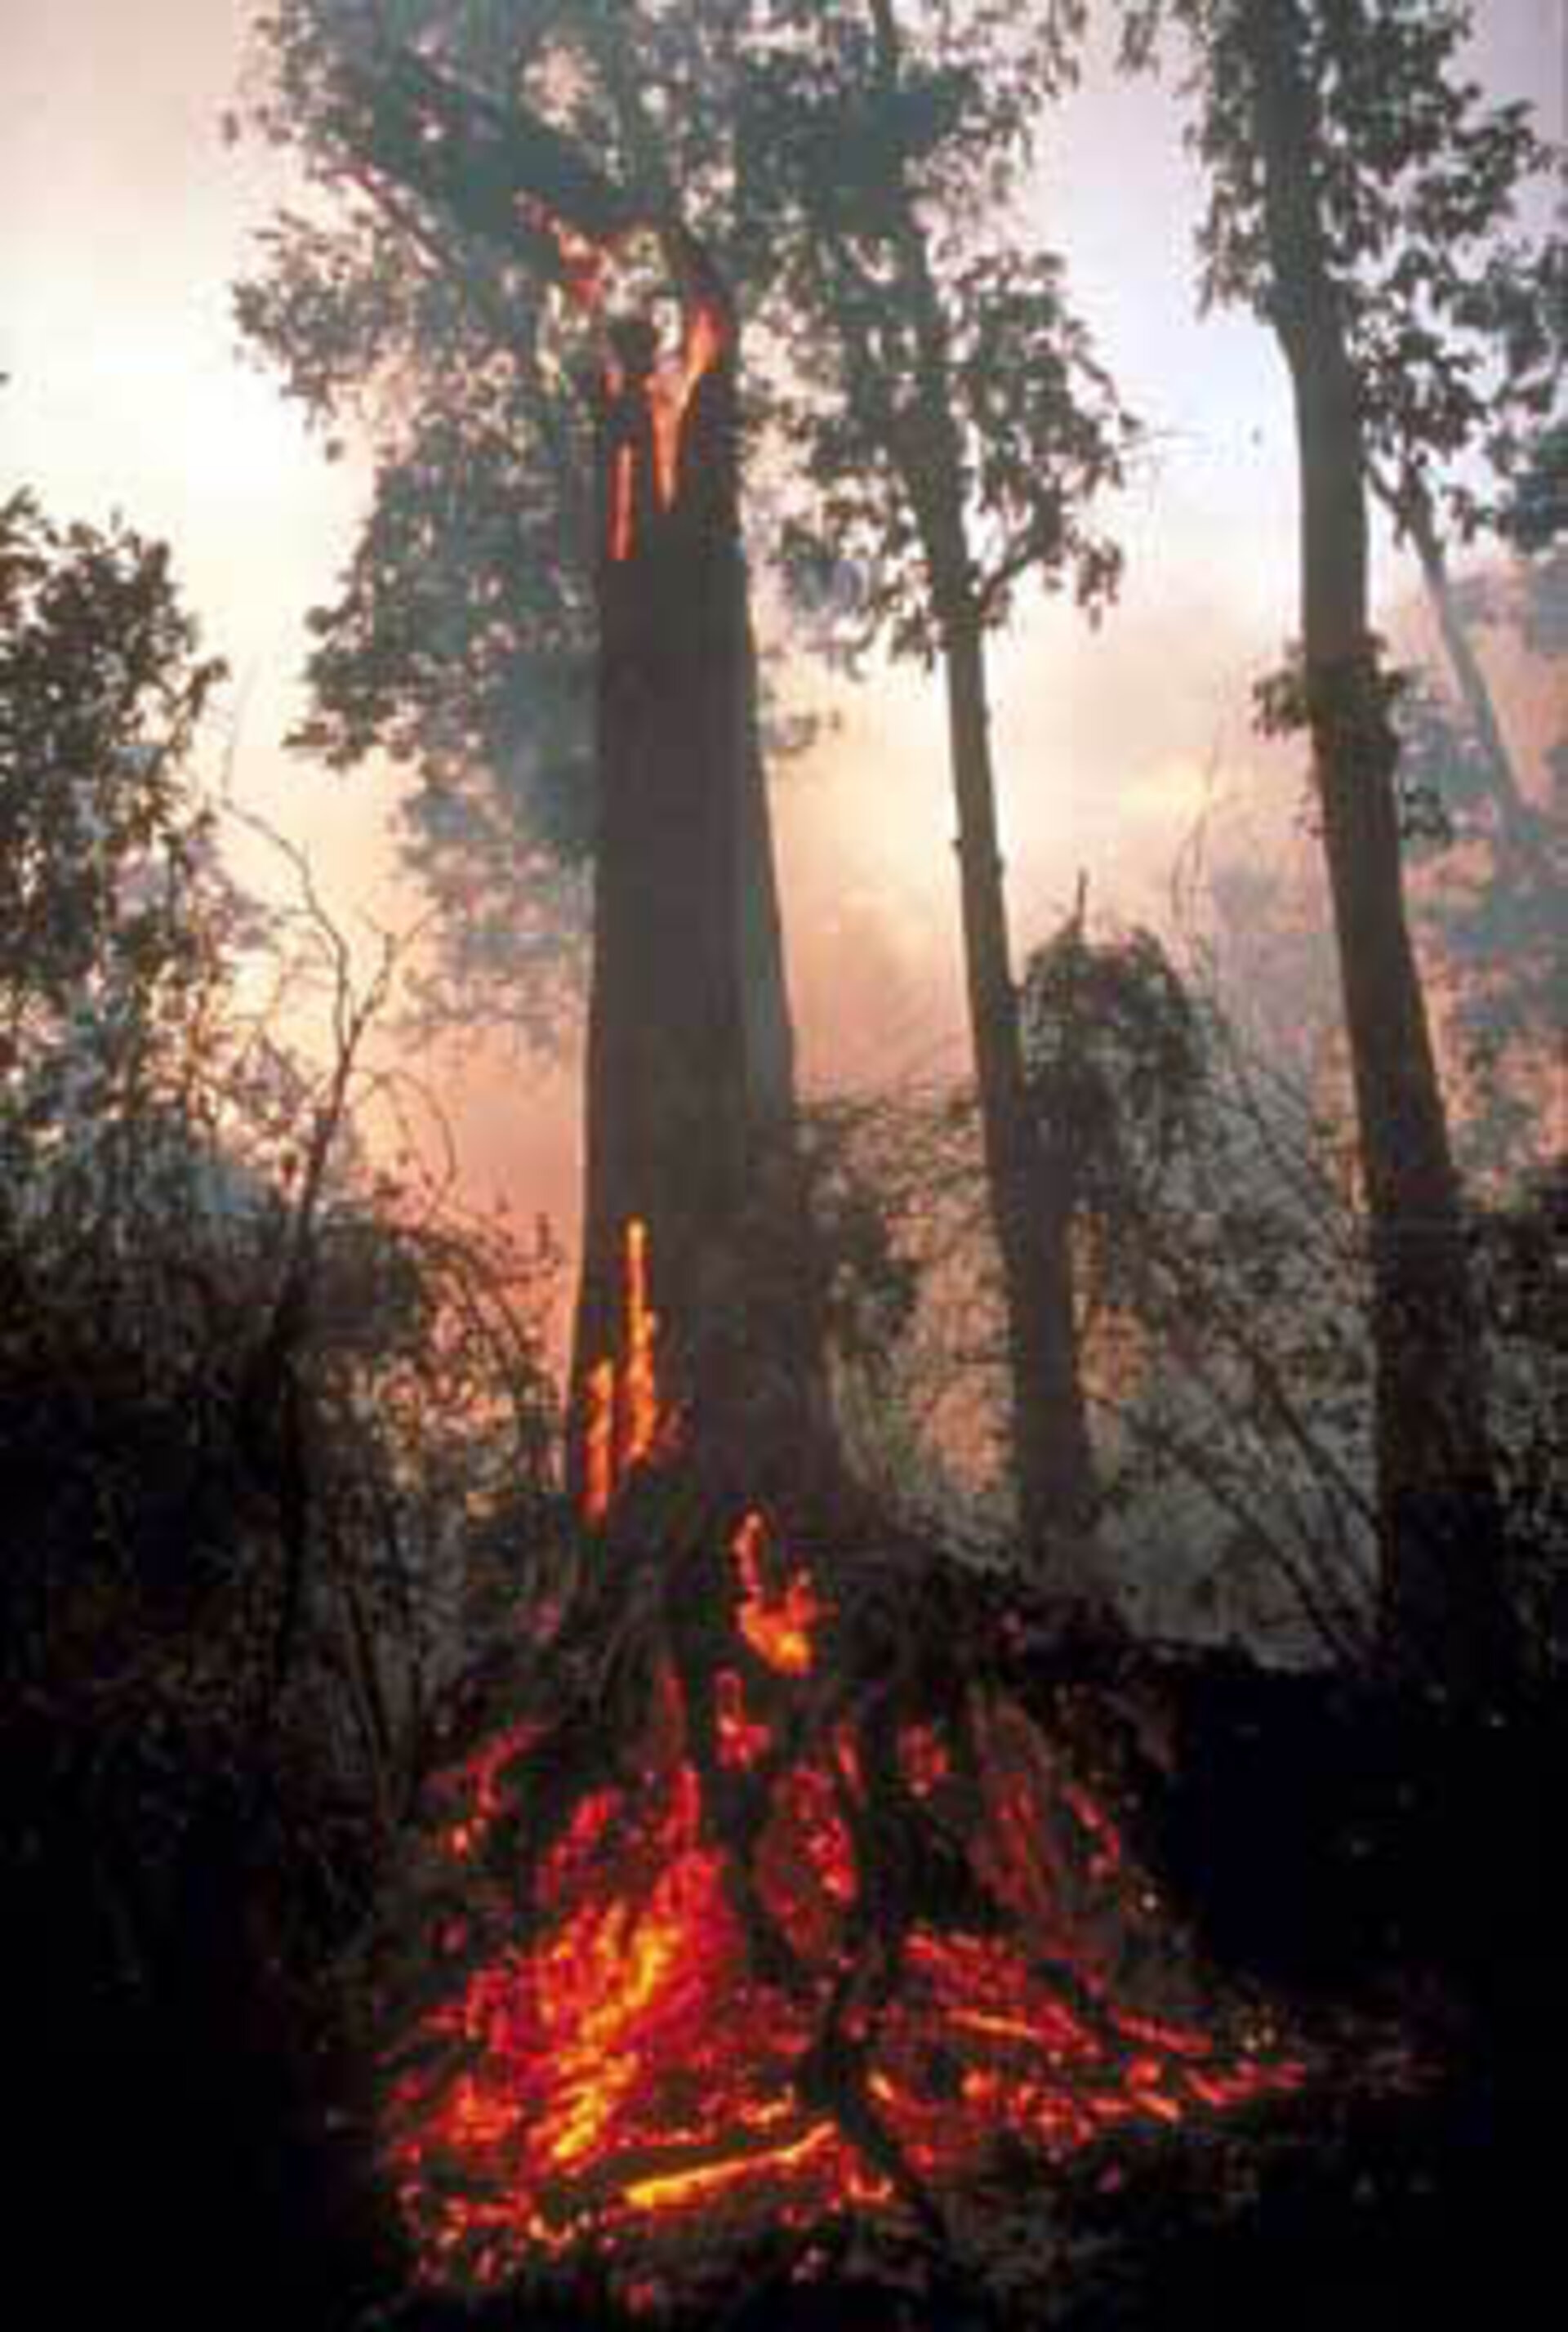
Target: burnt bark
1442, 1594
689, 1096
690, 1078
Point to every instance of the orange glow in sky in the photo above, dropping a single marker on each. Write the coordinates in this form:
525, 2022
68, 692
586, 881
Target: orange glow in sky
127, 392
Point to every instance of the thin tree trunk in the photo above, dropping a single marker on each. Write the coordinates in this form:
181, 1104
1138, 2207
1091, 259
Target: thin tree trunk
1412, 510
1053, 1461
1526, 857
1442, 1593
1050, 1439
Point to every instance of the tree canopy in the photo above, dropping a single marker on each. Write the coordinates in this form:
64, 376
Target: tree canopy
461, 639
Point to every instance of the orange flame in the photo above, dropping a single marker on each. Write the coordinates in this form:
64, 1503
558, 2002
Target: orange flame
702, 345
641, 1424
742, 1740
623, 475
623, 1423
669, 390
776, 1623
598, 1439
619, 2074
626, 2071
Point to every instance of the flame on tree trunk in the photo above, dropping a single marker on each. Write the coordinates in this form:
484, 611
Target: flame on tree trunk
690, 1070
765, 1909
690, 1088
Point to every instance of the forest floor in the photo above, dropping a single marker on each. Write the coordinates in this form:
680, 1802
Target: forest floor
1375, 1872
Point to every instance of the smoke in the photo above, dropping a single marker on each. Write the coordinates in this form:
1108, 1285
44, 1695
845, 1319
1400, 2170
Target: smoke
1112, 746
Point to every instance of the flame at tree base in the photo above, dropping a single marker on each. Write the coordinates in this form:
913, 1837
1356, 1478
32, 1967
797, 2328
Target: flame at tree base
777, 1911
803, 1957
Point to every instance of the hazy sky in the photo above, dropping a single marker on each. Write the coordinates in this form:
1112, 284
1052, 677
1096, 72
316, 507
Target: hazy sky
127, 220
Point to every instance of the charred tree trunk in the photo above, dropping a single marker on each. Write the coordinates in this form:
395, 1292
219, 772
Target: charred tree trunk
690, 1088
690, 1081
1443, 1598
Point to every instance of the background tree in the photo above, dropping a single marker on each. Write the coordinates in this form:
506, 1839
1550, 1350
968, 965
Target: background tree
461, 641
1469, 363
109, 895
186, 1217
1343, 158
1468, 354
955, 426
1215, 1267
1216, 1264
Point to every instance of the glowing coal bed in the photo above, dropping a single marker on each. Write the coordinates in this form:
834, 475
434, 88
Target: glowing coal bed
620, 2070
794, 1952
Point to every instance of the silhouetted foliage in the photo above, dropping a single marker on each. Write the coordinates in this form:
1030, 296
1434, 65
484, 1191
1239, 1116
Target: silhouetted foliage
253, 1409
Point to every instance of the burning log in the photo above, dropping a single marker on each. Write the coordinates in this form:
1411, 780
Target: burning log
772, 1910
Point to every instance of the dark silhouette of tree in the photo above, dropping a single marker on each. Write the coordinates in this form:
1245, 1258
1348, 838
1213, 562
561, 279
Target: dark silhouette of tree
1345, 160
254, 1407
689, 1072
101, 840
956, 426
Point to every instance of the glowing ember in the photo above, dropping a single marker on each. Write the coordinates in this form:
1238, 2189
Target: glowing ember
720, 2001
626, 2072
777, 1624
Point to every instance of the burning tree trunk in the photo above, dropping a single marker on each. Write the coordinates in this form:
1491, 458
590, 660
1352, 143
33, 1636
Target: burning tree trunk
690, 1088
690, 1056
766, 1908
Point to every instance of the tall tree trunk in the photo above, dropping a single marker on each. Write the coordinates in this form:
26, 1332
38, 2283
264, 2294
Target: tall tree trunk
1052, 1456
1443, 1596
690, 1082
689, 1091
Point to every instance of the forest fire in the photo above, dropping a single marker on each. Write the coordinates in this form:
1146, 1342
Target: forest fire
798, 1946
